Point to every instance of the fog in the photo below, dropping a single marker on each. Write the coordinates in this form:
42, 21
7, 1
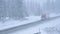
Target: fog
22, 16
23, 8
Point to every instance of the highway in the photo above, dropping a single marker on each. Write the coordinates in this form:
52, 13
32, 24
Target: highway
27, 26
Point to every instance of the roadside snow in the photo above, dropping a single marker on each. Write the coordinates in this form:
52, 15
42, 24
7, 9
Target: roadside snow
30, 19
14, 23
40, 28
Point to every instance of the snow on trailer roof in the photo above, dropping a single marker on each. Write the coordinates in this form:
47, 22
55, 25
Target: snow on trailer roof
14, 23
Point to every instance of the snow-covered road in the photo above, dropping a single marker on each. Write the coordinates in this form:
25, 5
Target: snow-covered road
41, 27
34, 27
33, 23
